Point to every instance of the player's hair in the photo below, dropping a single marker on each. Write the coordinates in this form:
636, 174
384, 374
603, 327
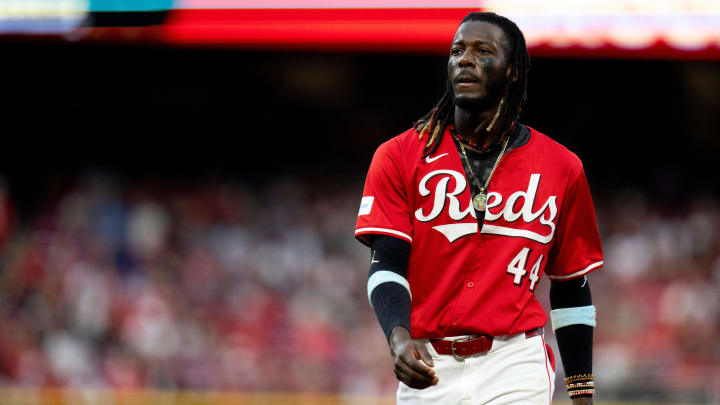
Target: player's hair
441, 115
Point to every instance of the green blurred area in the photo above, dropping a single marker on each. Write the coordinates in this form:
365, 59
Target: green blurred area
130, 5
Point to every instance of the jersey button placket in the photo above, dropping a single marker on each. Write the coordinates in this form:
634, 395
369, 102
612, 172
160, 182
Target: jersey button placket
470, 284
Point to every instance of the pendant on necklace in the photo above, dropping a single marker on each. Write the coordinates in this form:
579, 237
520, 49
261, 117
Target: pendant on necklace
479, 201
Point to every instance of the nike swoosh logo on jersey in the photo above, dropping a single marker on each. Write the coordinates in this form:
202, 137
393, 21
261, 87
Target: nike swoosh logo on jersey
428, 159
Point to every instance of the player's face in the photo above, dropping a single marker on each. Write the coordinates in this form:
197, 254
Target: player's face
478, 69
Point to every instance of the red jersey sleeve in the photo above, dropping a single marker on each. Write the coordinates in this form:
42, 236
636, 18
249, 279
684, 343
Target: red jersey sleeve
384, 206
577, 250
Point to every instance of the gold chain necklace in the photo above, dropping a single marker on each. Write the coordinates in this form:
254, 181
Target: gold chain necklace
480, 199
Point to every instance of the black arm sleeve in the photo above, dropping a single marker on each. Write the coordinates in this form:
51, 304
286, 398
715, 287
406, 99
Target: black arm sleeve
391, 301
574, 341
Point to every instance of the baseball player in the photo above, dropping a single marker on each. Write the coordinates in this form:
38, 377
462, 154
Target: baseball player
463, 214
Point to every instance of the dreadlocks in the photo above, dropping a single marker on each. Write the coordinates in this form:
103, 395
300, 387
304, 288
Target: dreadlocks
440, 116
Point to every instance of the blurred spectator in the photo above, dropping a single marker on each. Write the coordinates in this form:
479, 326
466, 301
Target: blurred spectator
228, 286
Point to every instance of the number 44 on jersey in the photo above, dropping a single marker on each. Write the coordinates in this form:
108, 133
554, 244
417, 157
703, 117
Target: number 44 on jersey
517, 268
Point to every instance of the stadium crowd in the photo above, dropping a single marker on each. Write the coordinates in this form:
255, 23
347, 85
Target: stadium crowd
261, 287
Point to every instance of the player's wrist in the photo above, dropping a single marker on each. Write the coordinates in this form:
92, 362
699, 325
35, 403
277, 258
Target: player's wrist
580, 386
399, 333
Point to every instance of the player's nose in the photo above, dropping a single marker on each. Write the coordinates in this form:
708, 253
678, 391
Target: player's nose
466, 61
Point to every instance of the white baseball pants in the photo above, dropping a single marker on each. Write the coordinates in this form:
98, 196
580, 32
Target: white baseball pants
515, 371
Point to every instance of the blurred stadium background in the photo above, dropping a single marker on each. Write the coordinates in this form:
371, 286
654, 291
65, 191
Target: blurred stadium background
180, 181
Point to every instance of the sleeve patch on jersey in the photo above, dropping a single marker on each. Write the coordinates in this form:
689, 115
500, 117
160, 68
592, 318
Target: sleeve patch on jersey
366, 205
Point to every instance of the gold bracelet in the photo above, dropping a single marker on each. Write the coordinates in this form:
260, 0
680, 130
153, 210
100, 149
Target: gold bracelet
579, 377
577, 393
585, 384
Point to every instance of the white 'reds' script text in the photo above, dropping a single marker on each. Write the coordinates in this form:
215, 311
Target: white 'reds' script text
441, 195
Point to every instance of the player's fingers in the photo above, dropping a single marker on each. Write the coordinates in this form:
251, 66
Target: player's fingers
419, 386
413, 383
418, 366
412, 374
406, 379
424, 355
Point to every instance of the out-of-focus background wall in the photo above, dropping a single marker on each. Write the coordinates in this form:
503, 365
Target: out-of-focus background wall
180, 182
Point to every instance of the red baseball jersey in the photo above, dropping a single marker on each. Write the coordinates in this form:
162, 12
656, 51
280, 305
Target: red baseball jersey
465, 280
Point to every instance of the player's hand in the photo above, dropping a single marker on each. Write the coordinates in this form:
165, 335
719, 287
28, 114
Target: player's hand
582, 401
412, 360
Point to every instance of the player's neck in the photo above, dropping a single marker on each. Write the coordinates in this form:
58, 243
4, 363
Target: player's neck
467, 123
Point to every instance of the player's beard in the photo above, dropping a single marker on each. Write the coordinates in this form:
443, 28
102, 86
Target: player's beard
490, 101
